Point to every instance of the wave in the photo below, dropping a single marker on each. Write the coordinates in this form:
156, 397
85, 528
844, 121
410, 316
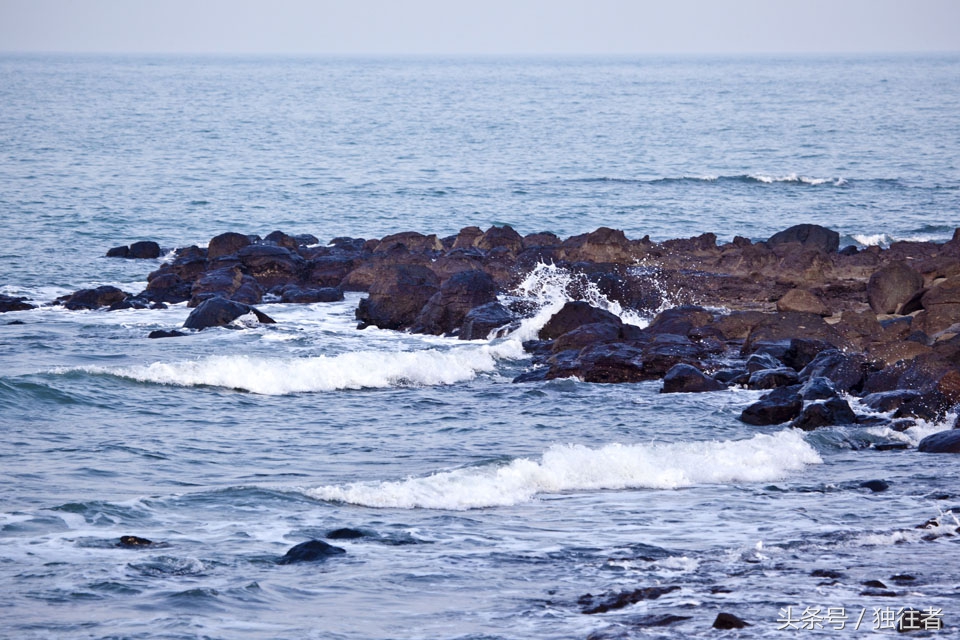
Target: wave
749, 178
563, 468
354, 370
926, 233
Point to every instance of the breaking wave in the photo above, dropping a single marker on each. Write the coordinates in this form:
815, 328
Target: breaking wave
562, 468
355, 370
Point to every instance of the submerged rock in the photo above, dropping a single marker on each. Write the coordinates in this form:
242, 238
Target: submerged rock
830, 412
729, 621
941, 442
310, 551
779, 406
610, 602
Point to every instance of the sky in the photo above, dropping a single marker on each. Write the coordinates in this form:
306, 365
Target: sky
486, 27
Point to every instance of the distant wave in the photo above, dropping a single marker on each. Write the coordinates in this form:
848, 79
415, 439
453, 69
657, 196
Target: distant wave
562, 468
926, 233
757, 179
355, 370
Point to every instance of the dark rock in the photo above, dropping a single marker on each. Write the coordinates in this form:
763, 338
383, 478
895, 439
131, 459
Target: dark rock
226, 244
11, 303
941, 306
501, 237
544, 239
802, 351
776, 407
397, 296
535, 375
575, 314
809, 235
817, 388
310, 551
217, 312
218, 282
787, 326
249, 291
160, 333
346, 533
118, 252
588, 334
602, 245
281, 239
135, 542
604, 363
481, 321
446, 310
729, 621
166, 286
761, 361
467, 237
611, 602
684, 378
891, 286
802, 301
94, 298
144, 250
666, 350
344, 243
296, 295
730, 376
874, 584
655, 620
847, 372
941, 442
830, 412
329, 271
890, 400
827, 573
680, 320
773, 378
271, 265
876, 486
411, 240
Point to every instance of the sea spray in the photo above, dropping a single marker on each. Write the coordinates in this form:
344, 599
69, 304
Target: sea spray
571, 467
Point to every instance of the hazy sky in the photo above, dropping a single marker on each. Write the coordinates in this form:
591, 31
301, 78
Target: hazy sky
480, 27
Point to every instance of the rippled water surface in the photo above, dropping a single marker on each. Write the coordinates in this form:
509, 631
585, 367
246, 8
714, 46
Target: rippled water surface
488, 509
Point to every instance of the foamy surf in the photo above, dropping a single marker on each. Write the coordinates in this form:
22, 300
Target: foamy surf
354, 370
563, 468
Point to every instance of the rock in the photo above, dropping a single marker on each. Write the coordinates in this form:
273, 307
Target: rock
684, 378
729, 621
941, 442
788, 326
397, 296
501, 238
328, 271
847, 372
761, 361
160, 333
166, 286
732, 376
604, 363
11, 303
446, 310
611, 602
218, 282
134, 542
249, 291
411, 240
544, 239
270, 265
809, 235
310, 551
144, 250
941, 307
575, 314
586, 335
226, 244
802, 351
830, 412
293, 294
666, 350
467, 237
217, 312
773, 378
876, 486
481, 321
602, 245
118, 252
345, 533
680, 320
86, 299
281, 239
885, 401
891, 286
802, 301
817, 388
776, 407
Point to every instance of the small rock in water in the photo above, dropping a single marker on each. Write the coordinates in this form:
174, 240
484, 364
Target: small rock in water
346, 533
310, 551
729, 621
134, 542
875, 485
160, 333
593, 604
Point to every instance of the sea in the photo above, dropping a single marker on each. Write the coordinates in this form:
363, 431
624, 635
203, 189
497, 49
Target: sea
484, 509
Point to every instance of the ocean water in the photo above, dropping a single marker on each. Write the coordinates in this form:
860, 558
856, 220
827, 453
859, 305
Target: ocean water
489, 508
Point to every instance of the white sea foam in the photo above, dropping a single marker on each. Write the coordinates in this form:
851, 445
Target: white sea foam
548, 287
354, 370
762, 458
872, 239
793, 177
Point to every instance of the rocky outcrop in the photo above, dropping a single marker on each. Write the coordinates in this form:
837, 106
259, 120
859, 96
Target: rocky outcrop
891, 286
397, 296
87, 299
13, 303
217, 312
446, 310
685, 378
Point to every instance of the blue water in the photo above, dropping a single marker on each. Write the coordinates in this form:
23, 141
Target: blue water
490, 507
